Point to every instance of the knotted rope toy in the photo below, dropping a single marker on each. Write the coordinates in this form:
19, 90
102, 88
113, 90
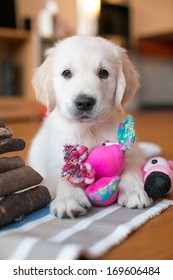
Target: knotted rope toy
99, 170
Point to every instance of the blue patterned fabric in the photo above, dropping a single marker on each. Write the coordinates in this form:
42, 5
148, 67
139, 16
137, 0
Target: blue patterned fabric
126, 133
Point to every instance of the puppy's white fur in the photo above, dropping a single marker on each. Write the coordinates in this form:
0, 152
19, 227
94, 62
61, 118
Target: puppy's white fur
84, 56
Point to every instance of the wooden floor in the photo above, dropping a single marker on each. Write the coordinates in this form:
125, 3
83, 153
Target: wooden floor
154, 240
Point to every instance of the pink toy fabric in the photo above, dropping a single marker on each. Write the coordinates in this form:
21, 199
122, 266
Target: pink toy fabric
107, 160
159, 164
104, 191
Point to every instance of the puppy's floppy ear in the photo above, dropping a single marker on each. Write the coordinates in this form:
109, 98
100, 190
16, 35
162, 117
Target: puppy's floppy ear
127, 81
42, 82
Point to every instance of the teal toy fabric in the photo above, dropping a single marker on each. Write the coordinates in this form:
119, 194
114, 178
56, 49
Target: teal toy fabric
126, 133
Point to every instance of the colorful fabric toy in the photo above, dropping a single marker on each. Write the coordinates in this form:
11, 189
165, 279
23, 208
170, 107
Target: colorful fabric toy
158, 176
99, 171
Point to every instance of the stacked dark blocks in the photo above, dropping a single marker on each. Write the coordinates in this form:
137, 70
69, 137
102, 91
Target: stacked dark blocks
15, 178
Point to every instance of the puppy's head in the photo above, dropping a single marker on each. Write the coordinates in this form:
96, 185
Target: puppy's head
85, 78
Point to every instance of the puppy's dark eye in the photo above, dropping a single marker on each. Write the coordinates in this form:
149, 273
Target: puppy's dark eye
103, 73
67, 74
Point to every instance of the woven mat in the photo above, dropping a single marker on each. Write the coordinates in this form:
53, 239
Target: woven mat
41, 236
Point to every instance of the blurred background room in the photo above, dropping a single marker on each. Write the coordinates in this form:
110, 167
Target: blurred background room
144, 28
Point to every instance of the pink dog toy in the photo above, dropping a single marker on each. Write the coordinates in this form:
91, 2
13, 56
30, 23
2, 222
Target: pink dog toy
99, 171
158, 176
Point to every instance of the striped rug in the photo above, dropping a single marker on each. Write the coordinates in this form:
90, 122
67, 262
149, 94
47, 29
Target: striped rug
41, 236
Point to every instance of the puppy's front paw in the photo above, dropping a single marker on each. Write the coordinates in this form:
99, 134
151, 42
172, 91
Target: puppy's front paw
70, 204
134, 197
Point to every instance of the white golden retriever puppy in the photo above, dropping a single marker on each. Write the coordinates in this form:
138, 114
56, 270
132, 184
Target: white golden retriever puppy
85, 83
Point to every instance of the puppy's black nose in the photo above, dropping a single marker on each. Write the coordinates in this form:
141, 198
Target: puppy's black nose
84, 102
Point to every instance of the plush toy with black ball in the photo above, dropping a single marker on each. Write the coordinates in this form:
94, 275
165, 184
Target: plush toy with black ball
158, 176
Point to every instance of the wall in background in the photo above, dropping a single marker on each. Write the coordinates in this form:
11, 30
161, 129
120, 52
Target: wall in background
31, 8
150, 17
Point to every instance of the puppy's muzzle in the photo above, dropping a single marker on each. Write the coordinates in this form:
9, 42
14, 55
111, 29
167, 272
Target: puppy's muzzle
84, 103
